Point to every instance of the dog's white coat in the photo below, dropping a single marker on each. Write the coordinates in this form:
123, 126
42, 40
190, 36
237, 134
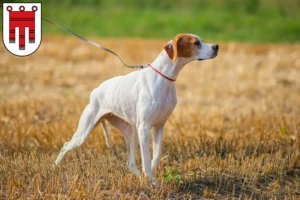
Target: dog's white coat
135, 103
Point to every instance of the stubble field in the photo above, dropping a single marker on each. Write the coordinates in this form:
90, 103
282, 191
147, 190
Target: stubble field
234, 133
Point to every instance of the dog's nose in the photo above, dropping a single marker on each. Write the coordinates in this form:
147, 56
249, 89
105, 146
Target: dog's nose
215, 47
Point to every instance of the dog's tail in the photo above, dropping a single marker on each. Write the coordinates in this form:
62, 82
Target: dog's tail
104, 128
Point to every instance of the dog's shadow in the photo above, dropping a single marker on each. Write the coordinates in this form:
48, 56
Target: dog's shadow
207, 188
212, 187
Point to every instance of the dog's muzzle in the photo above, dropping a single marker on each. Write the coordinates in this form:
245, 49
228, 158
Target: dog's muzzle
215, 48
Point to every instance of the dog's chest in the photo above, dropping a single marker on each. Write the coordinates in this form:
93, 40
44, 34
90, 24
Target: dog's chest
163, 105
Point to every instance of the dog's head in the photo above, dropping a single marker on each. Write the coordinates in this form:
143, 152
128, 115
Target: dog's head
191, 47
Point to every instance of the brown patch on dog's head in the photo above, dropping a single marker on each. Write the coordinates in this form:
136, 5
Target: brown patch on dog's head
185, 45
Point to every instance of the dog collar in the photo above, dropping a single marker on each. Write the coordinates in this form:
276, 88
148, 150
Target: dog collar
170, 79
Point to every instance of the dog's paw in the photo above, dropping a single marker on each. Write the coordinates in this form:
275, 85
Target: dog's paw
54, 166
107, 144
154, 182
136, 172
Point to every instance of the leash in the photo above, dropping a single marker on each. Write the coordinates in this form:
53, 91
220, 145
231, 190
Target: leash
95, 44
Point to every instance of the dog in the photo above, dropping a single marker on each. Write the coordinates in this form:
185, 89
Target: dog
139, 101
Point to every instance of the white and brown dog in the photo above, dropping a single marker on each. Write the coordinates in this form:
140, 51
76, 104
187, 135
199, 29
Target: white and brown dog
141, 100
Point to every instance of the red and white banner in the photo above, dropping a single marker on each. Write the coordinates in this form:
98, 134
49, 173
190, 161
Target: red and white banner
22, 27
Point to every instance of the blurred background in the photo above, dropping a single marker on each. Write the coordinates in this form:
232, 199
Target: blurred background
231, 20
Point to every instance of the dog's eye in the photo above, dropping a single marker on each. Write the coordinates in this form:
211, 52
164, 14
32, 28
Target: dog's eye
197, 43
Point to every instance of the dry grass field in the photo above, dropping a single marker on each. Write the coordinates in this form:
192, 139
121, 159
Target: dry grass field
235, 132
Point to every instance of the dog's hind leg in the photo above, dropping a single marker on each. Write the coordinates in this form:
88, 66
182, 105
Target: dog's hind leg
104, 128
130, 134
85, 126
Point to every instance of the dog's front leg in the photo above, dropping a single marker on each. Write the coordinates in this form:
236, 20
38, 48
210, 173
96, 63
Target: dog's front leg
144, 138
158, 133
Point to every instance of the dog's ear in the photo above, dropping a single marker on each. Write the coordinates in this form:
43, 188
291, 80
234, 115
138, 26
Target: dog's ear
169, 49
172, 47
176, 45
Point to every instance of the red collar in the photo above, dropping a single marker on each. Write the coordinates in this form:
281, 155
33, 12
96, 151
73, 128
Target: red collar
170, 79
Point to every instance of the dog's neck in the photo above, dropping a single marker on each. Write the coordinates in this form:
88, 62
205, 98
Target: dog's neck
164, 64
